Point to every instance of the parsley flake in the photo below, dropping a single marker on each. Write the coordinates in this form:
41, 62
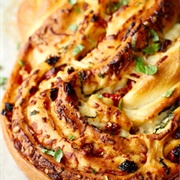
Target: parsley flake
3, 81
18, 45
34, 112
101, 75
73, 27
77, 9
154, 36
99, 96
138, 3
120, 104
168, 93
152, 49
164, 123
71, 137
72, 2
93, 171
21, 63
114, 6
48, 151
142, 68
58, 154
77, 49
133, 41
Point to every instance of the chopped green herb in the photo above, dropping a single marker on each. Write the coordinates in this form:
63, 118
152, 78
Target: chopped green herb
71, 137
1, 67
3, 81
114, 6
58, 154
72, 2
99, 96
152, 49
164, 123
18, 45
120, 104
142, 68
93, 171
168, 93
63, 49
133, 41
21, 63
73, 27
154, 36
101, 75
77, 9
86, 116
138, 3
48, 151
34, 112
124, 2
77, 49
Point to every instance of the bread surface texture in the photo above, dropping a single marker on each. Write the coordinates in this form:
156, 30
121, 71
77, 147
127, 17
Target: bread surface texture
95, 91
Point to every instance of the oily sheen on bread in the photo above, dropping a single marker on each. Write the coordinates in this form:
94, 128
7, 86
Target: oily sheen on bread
95, 91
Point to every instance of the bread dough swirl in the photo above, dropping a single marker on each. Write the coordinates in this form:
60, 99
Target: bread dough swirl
79, 91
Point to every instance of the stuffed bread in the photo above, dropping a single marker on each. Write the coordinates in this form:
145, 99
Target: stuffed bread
95, 93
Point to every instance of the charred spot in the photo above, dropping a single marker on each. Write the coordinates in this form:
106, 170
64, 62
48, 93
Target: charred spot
69, 89
98, 152
70, 70
96, 129
134, 130
54, 94
17, 144
9, 106
107, 140
167, 169
22, 102
44, 163
33, 90
174, 154
116, 65
164, 45
128, 166
50, 73
4, 112
177, 133
112, 128
161, 60
111, 37
128, 30
52, 60
94, 18
8, 109
88, 149
55, 176
82, 75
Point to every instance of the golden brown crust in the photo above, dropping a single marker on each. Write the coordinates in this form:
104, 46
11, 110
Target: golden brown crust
31, 14
94, 104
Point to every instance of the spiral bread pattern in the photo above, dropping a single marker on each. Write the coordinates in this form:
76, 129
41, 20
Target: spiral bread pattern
98, 93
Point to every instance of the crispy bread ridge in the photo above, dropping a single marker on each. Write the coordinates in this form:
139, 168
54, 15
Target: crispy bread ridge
104, 135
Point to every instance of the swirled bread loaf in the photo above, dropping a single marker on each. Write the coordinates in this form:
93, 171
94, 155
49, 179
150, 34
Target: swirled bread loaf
95, 91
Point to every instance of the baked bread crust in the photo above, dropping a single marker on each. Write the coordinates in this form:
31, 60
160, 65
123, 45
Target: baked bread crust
93, 104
